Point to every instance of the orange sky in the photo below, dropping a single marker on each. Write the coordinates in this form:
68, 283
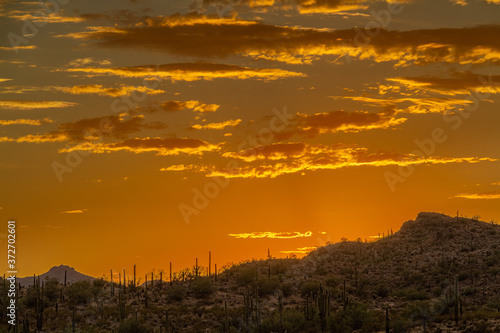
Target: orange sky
144, 132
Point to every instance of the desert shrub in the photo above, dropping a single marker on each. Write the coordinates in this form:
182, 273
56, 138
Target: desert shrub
492, 260
267, 286
400, 325
176, 292
333, 281
469, 291
202, 287
246, 276
280, 267
293, 321
480, 327
51, 289
494, 270
436, 291
79, 292
287, 289
308, 287
463, 276
356, 317
382, 291
133, 326
412, 294
321, 270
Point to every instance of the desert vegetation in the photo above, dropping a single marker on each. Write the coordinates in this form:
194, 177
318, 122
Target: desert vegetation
436, 274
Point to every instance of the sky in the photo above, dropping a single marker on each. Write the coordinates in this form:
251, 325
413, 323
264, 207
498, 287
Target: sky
147, 132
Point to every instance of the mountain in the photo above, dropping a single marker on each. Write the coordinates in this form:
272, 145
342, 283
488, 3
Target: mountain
57, 272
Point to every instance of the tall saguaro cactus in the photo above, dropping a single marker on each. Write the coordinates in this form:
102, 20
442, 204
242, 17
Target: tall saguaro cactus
112, 285
456, 299
146, 292
209, 262
134, 277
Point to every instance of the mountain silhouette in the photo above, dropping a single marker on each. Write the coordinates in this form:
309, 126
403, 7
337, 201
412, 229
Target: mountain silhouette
57, 272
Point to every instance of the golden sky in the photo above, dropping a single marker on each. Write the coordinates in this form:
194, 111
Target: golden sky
149, 131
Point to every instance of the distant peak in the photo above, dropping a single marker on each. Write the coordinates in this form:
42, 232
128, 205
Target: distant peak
62, 267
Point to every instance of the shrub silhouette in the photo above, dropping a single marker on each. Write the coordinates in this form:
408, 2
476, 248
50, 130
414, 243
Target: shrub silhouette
176, 293
309, 287
79, 292
133, 326
202, 287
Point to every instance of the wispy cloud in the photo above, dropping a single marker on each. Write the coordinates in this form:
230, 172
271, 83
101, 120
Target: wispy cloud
173, 106
458, 83
300, 250
76, 211
479, 196
100, 90
14, 48
164, 147
192, 72
217, 126
32, 105
287, 158
270, 234
33, 122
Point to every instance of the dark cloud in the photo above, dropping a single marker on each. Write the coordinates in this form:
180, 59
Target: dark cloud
213, 37
169, 146
107, 126
311, 125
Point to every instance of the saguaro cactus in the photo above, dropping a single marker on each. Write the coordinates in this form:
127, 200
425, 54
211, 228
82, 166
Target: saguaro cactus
387, 321
146, 292
345, 298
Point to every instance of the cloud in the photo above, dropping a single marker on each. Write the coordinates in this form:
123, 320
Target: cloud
173, 106
275, 160
479, 196
21, 15
182, 167
3, 80
270, 234
88, 129
420, 105
32, 105
218, 126
39, 138
301, 250
299, 6
81, 62
100, 90
14, 48
192, 72
77, 211
204, 36
163, 147
108, 126
458, 83
311, 125
33, 122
